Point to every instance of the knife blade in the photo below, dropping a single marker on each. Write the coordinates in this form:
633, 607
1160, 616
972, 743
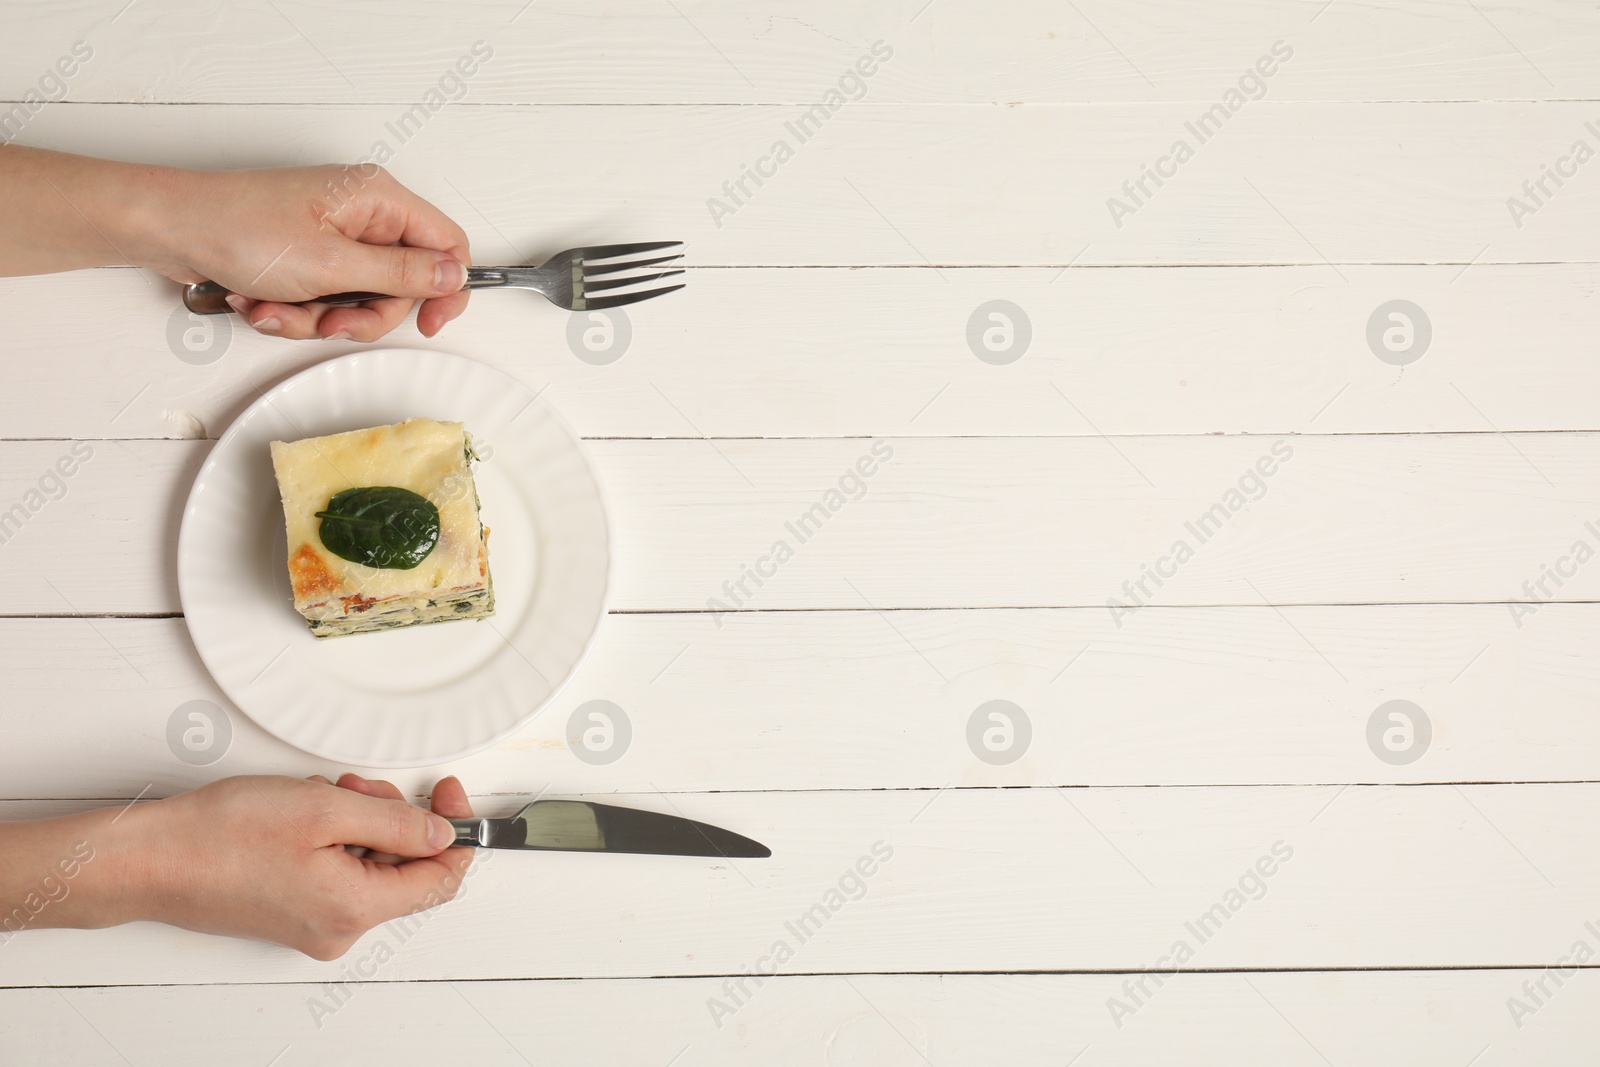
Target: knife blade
581, 826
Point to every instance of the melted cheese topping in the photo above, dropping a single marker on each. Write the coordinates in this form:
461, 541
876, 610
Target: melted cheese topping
424, 456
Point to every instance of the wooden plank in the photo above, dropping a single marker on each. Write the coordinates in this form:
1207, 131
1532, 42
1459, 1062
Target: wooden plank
784, 700
634, 52
744, 352
847, 727
978, 880
988, 522
1295, 183
1218, 1019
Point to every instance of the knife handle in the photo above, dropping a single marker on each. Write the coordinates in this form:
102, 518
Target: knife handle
473, 833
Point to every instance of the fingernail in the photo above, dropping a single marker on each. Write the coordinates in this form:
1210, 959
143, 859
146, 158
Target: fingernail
237, 303
270, 324
449, 275
342, 335
440, 833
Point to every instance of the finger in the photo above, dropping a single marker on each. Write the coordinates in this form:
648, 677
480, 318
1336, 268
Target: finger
366, 322
399, 270
416, 885
318, 778
425, 883
242, 304
386, 825
372, 788
433, 314
450, 799
297, 322
424, 226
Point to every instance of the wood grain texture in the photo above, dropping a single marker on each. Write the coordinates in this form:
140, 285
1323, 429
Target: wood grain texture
1279, 183
1219, 1020
991, 522
785, 700
829, 308
831, 352
980, 880
720, 52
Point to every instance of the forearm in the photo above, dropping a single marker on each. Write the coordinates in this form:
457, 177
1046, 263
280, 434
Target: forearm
64, 212
82, 871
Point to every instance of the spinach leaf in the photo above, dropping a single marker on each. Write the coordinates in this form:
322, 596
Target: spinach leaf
380, 526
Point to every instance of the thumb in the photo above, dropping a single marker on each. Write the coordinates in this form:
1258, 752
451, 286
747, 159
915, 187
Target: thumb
400, 271
392, 826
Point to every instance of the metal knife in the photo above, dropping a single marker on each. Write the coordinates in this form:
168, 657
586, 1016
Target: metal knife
579, 826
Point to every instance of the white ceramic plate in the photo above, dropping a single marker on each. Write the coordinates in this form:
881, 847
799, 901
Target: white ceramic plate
426, 694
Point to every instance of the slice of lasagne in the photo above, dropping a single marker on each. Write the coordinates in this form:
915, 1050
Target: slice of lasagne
383, 527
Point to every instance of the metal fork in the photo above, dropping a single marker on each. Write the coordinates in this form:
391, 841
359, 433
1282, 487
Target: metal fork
569, 279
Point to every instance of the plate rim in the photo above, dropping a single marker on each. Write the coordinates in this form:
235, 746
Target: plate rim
235, 429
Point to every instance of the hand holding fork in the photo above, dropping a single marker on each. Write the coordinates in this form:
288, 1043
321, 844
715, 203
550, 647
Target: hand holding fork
578, 279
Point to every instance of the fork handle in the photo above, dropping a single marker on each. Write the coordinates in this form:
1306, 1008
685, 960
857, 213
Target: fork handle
209, 298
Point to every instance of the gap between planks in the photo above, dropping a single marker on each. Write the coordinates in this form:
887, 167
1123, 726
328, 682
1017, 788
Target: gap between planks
1242, 435
852, 609
1393, 969
521, 794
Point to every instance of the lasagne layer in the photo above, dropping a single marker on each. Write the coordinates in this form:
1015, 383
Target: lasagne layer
339, 596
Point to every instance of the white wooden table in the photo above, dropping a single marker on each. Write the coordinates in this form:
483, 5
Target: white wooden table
1202, 771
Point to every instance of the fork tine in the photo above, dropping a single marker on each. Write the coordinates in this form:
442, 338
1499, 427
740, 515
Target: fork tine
613, 251
618, 283
601, 303
591, 271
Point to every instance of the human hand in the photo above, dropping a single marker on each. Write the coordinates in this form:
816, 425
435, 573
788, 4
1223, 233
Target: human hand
294, 233
269, 236
265, 858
